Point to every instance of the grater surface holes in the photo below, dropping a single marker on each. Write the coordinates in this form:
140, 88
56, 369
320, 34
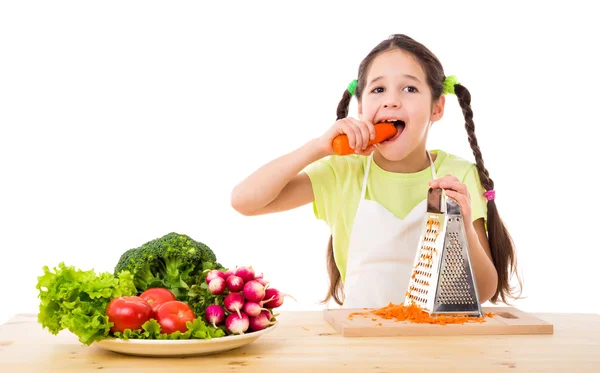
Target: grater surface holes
454, 282
423, 271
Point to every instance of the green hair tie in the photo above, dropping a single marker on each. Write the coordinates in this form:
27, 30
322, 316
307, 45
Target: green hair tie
352, 87
449, 84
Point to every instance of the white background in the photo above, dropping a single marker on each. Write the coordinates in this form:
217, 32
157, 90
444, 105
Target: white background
123, 121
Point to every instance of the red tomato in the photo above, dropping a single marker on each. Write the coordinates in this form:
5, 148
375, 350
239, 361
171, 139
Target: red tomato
173, 315
157, 296
128, 313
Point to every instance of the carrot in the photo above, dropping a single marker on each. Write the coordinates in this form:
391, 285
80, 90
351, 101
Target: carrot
415, 314
383, 131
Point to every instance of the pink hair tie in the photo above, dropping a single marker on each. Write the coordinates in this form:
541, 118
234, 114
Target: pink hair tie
490, 195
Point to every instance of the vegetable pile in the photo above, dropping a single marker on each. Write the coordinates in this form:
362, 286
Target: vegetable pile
169, 288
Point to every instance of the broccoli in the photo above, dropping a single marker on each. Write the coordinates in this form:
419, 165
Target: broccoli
173, 261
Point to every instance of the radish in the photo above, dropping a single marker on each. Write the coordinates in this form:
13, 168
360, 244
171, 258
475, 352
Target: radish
260, 278
260, 322
234, 302
274, 298
228, 273
268, 315
246, 273
216, 286
262, 281
235, 283
254, 291
215, 315
237, 324
214, 273
252, 309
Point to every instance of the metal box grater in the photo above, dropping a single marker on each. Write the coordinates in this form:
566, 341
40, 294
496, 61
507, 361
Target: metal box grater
442, 280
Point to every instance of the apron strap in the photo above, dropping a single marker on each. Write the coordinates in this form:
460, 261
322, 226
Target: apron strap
433, 173
364, 186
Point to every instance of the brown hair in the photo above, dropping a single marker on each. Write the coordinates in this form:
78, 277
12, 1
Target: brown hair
501, 245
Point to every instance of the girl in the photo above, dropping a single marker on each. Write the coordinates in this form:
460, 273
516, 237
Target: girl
374, 201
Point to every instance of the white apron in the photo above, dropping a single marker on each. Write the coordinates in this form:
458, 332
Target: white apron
382, 251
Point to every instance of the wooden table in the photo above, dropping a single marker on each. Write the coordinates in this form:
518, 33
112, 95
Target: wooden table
303, 342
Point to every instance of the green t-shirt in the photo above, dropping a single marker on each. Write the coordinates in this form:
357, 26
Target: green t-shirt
337, 181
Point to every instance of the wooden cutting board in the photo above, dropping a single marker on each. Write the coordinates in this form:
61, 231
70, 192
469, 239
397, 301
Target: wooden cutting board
506, 320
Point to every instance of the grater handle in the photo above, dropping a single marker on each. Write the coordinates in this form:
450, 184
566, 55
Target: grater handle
439, 203
436, 201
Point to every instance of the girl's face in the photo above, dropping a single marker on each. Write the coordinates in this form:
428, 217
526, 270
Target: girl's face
396, 90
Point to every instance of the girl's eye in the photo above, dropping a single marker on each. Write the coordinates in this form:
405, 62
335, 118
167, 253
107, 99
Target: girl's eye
411, 89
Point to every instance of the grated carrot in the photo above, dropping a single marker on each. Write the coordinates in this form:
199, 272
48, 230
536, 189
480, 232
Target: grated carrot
415, 314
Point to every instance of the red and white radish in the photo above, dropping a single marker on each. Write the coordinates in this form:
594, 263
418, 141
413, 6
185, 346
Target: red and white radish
262, 281
215, 315
234, 302
234, 283
229, 272
274, 298
216, 286
260, 322
252, 309
237, 324
254, 291
246, 273
213, 273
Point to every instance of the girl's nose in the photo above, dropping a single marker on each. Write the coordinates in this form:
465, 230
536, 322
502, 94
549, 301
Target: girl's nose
392, 101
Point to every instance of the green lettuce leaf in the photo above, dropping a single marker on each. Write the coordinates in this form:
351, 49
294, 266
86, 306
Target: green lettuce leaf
152, 330
76, 300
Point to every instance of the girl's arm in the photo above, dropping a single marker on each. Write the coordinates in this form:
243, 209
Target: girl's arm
279, 185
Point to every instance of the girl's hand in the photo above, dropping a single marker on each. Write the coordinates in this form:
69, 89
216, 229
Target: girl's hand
359, 134
455, 189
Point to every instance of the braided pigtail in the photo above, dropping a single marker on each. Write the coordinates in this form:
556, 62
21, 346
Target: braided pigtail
344, 105
501, 244
335, 278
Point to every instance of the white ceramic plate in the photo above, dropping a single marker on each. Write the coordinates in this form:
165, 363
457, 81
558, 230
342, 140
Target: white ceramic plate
184, 347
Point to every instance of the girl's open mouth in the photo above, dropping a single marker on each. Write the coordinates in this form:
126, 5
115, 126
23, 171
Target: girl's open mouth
400, 125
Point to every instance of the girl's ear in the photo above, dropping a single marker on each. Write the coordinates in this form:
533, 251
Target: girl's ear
359, 109
438, 109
